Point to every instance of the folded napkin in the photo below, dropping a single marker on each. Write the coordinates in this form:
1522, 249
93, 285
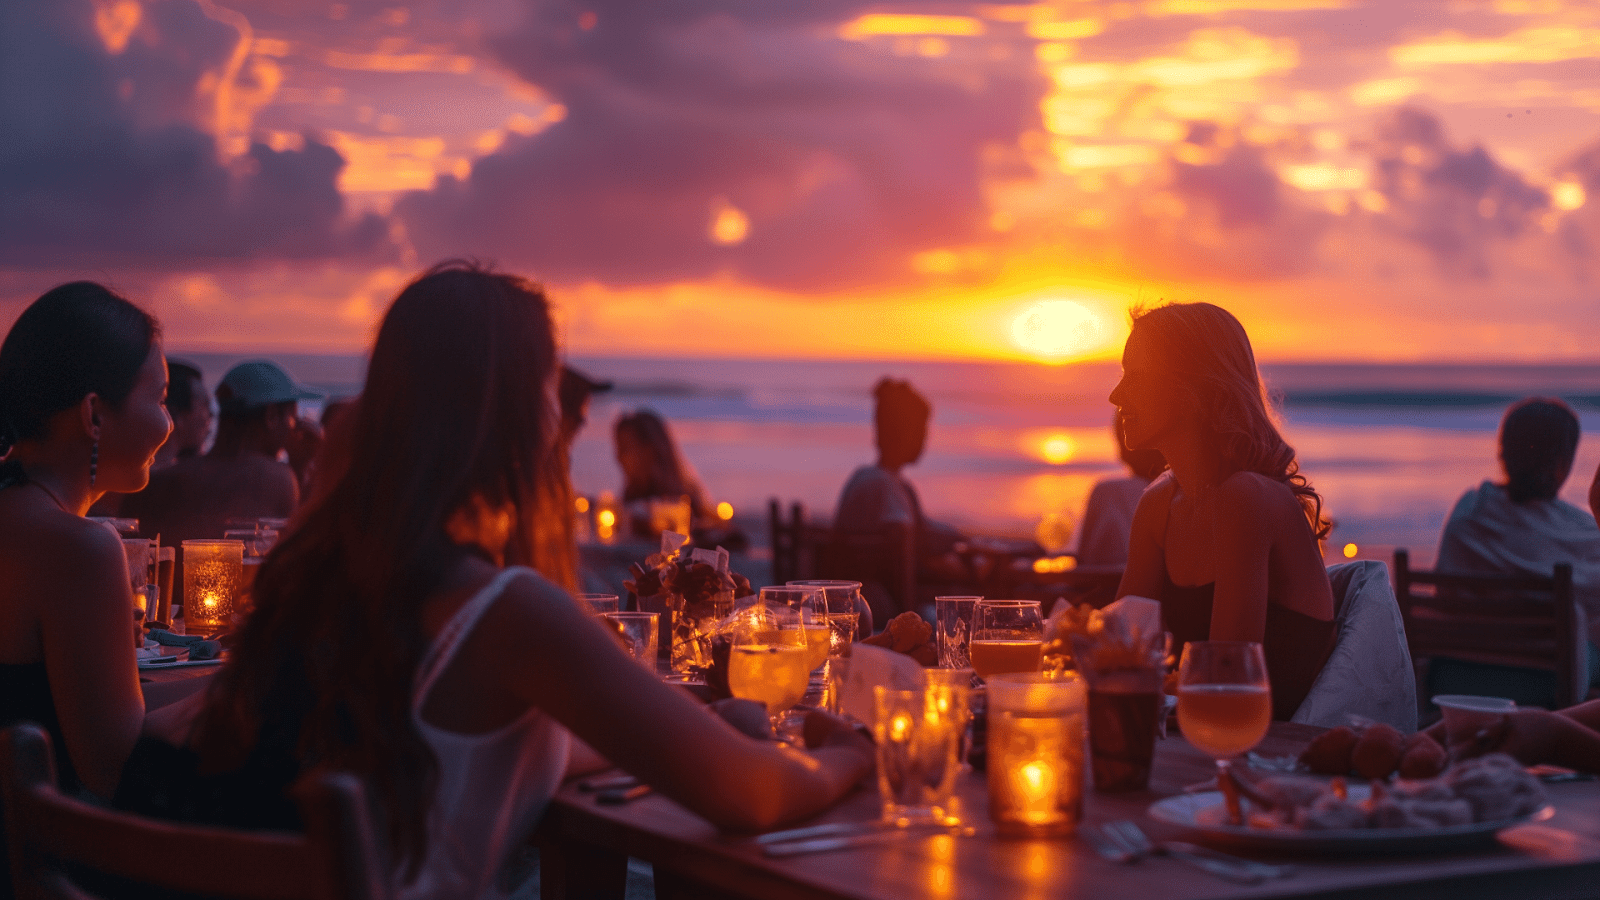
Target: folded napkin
869, 667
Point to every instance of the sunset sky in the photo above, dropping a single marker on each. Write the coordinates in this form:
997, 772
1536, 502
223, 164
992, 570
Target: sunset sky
1357, 181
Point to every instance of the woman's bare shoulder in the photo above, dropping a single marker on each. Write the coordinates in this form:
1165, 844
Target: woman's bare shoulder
1256, 491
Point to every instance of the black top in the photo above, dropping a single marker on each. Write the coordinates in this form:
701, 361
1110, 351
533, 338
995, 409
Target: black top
1296, 645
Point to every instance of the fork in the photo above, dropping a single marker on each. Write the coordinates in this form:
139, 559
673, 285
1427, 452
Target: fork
1132, 838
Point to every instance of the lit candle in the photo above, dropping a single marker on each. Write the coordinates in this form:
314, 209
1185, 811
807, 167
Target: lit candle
1036, 783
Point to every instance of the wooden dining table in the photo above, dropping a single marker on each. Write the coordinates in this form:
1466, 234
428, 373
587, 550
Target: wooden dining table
585, 845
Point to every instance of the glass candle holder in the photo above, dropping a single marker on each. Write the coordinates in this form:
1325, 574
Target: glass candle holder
1035, 754
212, 571
918, 735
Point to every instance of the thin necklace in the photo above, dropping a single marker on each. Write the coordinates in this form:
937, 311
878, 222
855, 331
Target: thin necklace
40, 486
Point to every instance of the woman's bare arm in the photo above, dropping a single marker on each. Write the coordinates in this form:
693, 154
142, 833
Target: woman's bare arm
549, 654
88, 631
1147, 566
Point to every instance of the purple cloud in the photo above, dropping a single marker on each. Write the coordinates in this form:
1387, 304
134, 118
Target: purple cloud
99, 162
845, 159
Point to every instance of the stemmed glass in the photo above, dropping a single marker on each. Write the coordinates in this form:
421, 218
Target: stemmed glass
769, 660
847, 611
1007, 636
1224, 698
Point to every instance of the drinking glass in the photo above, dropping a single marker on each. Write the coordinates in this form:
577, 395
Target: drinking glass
1007, 636
1224, 699
954, 615
812, 605
918, 734
257, 543
639, 633
143, 577
769, 660
847, 611
598, 604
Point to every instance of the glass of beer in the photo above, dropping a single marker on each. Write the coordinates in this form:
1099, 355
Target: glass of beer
1007, 636
1224, 699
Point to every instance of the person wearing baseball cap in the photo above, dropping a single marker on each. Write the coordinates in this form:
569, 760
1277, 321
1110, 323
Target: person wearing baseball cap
242, 476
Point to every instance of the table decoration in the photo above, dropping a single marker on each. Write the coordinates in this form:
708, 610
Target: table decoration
212, 571
1123, 659
693, 589
1035, 753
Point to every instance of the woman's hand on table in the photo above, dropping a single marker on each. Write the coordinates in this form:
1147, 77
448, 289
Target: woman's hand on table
746, 716
827, 730
1534, 736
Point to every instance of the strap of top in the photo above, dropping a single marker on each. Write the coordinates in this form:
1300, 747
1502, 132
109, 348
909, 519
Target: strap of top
456, 630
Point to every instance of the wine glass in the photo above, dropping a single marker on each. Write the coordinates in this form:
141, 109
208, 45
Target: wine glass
847, 612
1224, 698
812, 605
769, 660
1007, 636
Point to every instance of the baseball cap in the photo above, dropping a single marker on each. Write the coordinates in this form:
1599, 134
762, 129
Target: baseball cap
575, 386
257, 383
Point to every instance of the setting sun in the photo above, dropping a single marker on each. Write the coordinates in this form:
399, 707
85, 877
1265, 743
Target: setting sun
1056, 330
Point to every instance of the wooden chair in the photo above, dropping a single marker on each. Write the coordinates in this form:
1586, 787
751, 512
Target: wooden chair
50, 835
1521, 621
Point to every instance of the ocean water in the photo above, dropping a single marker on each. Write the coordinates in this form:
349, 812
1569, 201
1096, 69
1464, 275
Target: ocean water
1390, 447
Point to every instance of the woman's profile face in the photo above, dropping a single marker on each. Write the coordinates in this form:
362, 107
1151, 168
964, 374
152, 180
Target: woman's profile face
1147, 404
130, 436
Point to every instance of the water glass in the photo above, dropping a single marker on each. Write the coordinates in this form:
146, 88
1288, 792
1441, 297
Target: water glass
812, 605
918, 735
598, 604
1007, 636
212, 571
1035, 754
954, 616
638, 632
848, 612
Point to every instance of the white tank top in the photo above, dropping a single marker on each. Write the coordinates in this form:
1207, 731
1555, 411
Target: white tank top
492, 787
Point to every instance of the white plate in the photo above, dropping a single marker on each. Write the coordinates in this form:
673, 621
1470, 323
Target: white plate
1202, 812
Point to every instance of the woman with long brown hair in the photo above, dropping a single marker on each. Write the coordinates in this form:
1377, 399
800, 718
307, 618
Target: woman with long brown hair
402, 632
1226, 539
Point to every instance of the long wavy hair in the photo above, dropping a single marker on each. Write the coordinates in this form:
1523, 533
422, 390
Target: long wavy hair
666, 475
1207, 355
459, 402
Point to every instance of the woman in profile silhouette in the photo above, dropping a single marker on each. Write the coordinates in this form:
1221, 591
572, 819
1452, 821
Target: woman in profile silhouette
1227, 538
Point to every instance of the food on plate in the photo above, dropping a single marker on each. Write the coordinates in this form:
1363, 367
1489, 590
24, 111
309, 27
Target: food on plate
1492, 788
1329, 752
1374, 751
1377, 751
910, 634
1422, 757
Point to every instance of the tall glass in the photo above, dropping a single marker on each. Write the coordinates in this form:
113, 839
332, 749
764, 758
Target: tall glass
257, 543
1224, 698
1007, 636
848, 613
954, 615
812, 606
768, 660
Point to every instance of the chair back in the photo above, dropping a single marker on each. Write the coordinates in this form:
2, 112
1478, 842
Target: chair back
884, 561
50, 835
1526, 621
788, 541
1369, 672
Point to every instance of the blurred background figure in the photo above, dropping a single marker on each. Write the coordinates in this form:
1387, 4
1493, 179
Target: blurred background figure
574, 390
879, 501
1523, 527
190, 409
241, 477
1108, 516
659, 488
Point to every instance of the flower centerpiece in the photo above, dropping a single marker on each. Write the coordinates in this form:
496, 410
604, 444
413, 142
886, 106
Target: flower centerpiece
693, 589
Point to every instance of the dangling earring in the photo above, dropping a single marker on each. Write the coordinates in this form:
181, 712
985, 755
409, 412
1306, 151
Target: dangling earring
94, 460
